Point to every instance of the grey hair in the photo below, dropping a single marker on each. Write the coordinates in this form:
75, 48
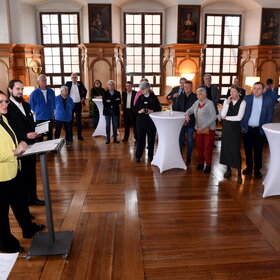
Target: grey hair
111, 81
207, 75
144, 85
74, 74
144, 80
41, 76
63, 87
201, 89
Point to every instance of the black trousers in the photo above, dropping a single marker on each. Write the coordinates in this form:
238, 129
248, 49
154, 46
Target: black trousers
145, 129
49, 133
253, 145
12, 193
28, 174
58, 128
129, 121
77, 112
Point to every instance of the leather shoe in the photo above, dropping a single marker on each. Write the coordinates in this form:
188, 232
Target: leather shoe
81, 138
13, 250
239, 180
35, 229
37, 202
116, 141
199, 166
188, 159
258, 174
150, 159
32, 217
108, 141
138, 159
207, 169
124, 140
247, 171
227, 174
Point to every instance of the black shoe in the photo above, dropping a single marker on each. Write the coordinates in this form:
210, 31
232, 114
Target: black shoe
13, 250
108, 141
188, 159
150, 159
239, 180
116, 141
247, 171
138, 160
35, 229
227, 173
32, 217
258, 174
37, 202
124, 140
199, 166
207, 169
81, 138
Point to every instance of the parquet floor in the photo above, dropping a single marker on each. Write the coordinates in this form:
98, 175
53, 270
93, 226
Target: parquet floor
131, 222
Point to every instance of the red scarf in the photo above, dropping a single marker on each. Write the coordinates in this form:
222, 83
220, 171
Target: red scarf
201, 105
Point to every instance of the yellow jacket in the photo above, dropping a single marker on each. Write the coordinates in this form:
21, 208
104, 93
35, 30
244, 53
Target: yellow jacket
8, 162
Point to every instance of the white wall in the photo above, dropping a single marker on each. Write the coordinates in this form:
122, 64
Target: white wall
117, 33
28, 25
15, 17
252, 27
5, 22
171, 25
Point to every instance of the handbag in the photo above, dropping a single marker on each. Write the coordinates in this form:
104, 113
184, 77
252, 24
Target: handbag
205, 130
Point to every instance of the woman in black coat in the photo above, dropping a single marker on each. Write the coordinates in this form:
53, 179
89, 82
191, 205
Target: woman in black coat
146, 103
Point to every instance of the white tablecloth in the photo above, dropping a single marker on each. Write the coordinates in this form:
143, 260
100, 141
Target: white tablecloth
101, 127
168, 153
272, 182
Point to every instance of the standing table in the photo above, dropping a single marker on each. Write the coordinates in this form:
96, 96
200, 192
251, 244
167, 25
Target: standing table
168, 154
271, 181
101, 127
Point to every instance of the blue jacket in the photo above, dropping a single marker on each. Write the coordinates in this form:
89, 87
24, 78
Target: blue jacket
266, 112
43, 111
63, 114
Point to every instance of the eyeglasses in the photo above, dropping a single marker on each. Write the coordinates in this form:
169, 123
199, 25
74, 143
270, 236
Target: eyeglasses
7, 101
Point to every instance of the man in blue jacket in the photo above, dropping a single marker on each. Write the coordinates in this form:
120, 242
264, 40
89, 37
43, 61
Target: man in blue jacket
42, 103
258, 111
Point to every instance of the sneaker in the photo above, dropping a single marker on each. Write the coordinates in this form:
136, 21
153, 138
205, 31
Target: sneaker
247, 171
199, 166
207, 169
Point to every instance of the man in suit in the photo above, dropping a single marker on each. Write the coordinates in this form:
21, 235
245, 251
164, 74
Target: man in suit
184, 102
77, 92
21, 120
128, 113
211, 90
111, 110
271, 89
237, 83
42, 102
258, 111
175, 92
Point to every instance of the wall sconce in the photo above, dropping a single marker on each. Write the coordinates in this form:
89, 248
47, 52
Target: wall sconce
28, 90
249, 81
188, 76
172, 81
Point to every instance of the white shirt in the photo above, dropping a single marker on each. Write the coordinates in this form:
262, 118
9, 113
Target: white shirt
74, 93
128, 99
254, 119
45, 94
18, 104
240, 114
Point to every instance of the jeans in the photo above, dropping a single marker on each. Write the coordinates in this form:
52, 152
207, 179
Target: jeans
112, 116
190, 132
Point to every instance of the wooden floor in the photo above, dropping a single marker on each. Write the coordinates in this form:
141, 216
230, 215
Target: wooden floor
131, 222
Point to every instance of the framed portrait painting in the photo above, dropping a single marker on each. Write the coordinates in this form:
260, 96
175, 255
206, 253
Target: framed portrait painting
270, 34
100, 24
188, 24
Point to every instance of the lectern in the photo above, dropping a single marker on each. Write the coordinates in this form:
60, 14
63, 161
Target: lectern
48, 243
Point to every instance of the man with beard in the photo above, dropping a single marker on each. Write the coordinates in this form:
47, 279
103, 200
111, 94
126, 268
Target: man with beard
21, 120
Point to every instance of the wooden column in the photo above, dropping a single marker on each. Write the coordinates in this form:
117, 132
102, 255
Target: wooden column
103, 61
179, 59
20, 61
261, 61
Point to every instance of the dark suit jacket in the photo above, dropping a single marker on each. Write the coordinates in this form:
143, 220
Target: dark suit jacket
215, 95
114, 104
124, 101
183, 103
81, 87
20, 123
266, 112
173, 91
